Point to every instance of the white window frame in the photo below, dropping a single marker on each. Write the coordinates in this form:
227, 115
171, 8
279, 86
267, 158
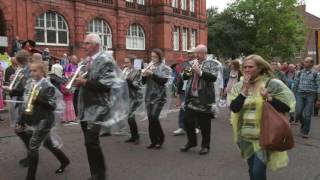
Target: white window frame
176, 39
184, 39
101, 28
192, 6
175, 4
141, 2
193, 39
129, 0
56, 28
135, 38
184, 4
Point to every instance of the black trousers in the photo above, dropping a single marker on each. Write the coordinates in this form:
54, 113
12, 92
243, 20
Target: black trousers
39, 136
204, 121
155, 130
95, 156
133, 127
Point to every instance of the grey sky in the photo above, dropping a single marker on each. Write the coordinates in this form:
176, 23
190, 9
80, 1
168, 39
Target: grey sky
313, 6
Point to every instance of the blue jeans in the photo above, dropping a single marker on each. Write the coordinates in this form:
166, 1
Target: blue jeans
257, 169
304, 110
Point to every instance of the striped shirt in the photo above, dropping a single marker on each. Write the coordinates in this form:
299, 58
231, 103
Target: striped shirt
308, 81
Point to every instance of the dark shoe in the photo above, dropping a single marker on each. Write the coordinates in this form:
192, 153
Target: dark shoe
204, 151
24, 162
105, 134
186, 147
130, 140
62, 167
151, 146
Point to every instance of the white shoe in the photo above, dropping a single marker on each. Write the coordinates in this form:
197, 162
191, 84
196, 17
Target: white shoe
179, 131
197, 131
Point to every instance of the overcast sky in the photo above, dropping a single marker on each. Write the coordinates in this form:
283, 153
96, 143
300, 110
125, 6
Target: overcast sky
313, 6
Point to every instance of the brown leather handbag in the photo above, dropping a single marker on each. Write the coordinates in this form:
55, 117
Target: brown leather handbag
275, 131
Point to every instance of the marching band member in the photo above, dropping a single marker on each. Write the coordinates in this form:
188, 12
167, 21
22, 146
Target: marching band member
155, 76
16, 90
199, 98
98, 101
133, 78
38, 113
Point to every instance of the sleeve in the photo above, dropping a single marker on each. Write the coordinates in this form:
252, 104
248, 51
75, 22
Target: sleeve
318, 84
105, 78
237, 103
279, 106
163, 76
46, 98
135, 83
209, 72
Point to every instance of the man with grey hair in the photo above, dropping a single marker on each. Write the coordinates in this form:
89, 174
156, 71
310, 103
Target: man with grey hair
93, 101
199, 97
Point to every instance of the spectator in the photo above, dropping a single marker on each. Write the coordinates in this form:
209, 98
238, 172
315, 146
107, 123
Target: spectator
64, 61
47, 57
57, 69
246, 106
275, 66
308, 87
16, 45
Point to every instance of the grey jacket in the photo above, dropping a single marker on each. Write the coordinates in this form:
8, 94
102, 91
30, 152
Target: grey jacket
206, 90
94, 98
156, 84
134, 81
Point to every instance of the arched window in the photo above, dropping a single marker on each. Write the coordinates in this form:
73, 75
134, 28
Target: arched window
101, 27
51, 29
135, 38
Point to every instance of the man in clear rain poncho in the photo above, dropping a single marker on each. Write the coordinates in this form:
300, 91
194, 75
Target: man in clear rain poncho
103, 100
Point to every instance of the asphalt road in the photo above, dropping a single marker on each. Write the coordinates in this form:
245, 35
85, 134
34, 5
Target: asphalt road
135, 162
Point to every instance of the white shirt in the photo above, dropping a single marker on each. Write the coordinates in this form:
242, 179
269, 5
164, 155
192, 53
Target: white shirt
57, 69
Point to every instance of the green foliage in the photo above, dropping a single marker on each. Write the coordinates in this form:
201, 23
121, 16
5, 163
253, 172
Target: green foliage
266, 27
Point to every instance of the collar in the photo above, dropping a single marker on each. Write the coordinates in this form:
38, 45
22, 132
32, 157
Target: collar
95, 55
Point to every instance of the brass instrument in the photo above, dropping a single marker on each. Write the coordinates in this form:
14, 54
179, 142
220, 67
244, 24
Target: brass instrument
17, 77
76, 74
31, 98
188, 70
150, 65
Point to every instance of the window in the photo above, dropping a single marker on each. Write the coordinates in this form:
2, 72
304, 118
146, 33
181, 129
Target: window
193, 38
129, 1
101, 27
184, 4
176, 39
185, 39
141, 2
135, 38
175, 3
51, 29
192, 5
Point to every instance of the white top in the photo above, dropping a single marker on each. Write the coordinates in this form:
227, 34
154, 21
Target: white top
57, 69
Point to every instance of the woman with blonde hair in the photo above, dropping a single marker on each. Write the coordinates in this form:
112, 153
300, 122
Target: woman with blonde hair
247, 98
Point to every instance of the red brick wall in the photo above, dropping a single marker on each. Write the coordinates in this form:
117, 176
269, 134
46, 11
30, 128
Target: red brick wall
157, 21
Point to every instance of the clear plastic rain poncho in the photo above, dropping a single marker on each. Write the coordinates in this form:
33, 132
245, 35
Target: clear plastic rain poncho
155, 93
105, 99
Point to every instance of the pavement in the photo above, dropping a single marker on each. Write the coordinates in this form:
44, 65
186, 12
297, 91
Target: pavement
135, 162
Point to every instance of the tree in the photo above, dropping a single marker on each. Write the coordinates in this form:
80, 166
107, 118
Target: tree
266, 27
228, 36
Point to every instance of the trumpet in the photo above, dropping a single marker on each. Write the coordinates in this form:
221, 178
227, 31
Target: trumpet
31, 98
151, 64
188, 70
17, 77
76, 74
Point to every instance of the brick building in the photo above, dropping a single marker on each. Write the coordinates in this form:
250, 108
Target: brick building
126, 26
312, 24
